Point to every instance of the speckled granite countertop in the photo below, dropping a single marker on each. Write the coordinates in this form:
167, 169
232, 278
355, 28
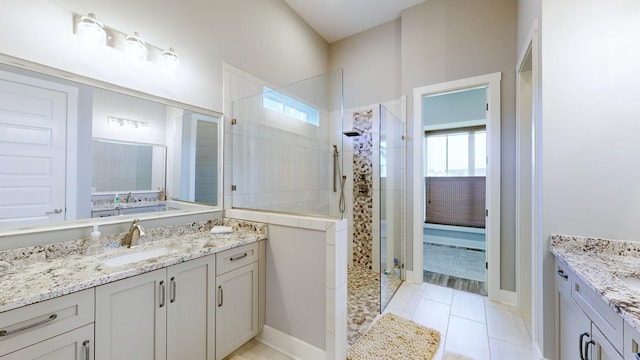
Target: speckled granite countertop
40, 273
125, 205
600, 263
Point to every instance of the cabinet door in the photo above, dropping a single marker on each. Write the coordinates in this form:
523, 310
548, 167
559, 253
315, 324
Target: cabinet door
131, 318
602, 349
572, 323
73, 345
237, 308
190, 310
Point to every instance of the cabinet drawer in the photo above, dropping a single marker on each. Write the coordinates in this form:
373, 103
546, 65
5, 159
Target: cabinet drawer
33, 323
607, 320
631, 342
73, 345
563, 277
235, 258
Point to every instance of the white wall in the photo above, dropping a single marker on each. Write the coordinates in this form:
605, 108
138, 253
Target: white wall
590, 116
528, 12
264, 37
371, 63
295, 287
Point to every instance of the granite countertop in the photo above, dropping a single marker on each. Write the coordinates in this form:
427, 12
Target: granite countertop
43, 272
125, 205
601, 263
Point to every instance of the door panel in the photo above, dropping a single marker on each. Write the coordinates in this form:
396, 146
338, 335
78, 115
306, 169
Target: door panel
33, 123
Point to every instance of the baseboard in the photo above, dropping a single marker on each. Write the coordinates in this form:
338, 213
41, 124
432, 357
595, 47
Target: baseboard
449, 241
508, 297
454, 228
536, 349
415, 277
290, 345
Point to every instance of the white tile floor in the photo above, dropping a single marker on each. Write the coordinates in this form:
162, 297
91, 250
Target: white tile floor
472, 327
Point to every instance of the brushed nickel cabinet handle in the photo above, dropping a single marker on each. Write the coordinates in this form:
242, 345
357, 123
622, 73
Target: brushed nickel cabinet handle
54, 211
162, 293
5, 332
562, 274
87, 350
234, 258
220, 296
586, 348
582, 349
172, 287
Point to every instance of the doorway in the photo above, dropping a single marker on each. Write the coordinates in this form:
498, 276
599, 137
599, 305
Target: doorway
479, 137
454, 157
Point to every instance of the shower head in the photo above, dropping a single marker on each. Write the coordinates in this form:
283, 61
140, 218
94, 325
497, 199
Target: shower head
352, 133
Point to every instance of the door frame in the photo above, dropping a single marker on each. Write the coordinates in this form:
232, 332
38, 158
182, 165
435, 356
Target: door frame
533, 250
492, 83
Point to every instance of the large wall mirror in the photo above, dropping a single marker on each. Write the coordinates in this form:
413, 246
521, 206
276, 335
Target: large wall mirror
71, 151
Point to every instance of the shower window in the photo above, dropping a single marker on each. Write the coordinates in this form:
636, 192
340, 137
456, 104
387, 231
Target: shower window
290, 107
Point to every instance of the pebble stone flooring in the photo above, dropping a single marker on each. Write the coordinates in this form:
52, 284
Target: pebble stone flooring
363, 302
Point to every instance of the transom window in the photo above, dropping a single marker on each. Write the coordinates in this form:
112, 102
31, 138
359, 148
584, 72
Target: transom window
456, 152
290, 107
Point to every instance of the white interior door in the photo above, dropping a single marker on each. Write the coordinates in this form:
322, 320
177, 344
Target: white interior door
33, 121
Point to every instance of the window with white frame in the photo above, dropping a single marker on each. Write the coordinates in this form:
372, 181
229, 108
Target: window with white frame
456, 152
286, 105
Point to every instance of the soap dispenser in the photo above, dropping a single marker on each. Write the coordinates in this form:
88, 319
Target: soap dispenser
95, 247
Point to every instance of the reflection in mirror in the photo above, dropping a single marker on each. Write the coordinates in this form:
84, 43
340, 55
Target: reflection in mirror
123, 167
51, 126
198, 175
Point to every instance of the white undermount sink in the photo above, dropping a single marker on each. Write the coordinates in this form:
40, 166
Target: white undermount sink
137, 256
632, 283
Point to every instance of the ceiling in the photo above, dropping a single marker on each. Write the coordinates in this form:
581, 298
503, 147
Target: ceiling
337, 19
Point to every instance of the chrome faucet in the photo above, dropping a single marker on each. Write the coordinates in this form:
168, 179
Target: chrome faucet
128, 198
135, 232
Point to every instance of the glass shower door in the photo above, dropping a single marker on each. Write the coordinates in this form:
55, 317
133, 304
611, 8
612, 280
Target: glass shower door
392, 170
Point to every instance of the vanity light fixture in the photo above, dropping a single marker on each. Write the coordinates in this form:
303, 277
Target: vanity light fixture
94, 36
135, 47
169, 61
91, 32
116, 121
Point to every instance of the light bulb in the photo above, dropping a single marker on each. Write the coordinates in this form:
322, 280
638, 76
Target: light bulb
169, 61
135, 48
91, 33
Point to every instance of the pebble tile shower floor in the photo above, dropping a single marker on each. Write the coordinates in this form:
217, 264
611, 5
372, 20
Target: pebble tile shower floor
363, 302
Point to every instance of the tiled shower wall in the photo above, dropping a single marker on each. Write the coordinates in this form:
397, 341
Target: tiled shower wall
274, 163
363, 186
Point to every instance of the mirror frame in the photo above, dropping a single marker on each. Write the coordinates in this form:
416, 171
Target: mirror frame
189, 208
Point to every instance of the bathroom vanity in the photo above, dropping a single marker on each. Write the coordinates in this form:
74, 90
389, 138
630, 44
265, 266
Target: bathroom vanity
597, 298
186, 294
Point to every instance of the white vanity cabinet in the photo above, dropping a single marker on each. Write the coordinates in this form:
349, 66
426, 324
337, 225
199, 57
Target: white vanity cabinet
163, 314
587, 328
60, 328
237, 302
572, 324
